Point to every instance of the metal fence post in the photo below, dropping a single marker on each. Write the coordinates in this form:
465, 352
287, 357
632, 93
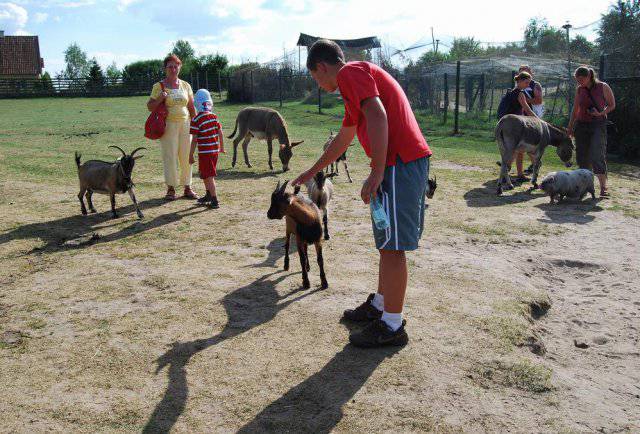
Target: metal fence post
280, 86
456, 130
446, 98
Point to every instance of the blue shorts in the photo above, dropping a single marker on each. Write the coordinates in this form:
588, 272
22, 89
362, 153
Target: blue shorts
402, 192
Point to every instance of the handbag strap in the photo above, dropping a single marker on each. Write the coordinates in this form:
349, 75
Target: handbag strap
593, 100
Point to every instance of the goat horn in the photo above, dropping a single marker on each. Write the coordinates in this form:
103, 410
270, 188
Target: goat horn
277, 186
136, 150
296, 143
284, 186
124, 154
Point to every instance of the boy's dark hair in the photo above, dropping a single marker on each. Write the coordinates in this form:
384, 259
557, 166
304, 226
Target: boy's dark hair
324, 50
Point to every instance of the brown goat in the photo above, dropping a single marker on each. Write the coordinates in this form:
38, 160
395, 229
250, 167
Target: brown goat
304, 219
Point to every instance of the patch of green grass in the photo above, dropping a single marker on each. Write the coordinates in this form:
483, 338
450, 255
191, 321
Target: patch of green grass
522, 374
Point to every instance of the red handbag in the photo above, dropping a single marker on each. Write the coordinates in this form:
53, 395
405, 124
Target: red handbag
157, 121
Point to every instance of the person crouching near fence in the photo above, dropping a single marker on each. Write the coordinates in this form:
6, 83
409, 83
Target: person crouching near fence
593, 101
377, 109
207, 134
178, 97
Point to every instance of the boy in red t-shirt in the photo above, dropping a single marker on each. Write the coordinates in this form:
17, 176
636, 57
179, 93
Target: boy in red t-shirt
207, 135
377, 109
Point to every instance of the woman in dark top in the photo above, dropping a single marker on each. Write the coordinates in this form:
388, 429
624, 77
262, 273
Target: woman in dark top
594, 100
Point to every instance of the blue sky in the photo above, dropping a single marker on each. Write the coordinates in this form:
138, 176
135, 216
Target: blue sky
127, 30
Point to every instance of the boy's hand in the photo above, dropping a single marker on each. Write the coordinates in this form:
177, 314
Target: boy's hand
222, 151
304, 177
370, 186
191, 159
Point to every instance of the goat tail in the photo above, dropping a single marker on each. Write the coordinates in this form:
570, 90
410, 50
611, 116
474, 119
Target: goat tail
500, 140
235, 128
78, 155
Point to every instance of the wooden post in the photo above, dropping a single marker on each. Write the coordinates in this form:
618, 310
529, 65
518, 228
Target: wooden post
220, 85
206, 79
319, 100
244, 95
601, 71
491, 103
481, 101
456, 112
446, 98
555, 97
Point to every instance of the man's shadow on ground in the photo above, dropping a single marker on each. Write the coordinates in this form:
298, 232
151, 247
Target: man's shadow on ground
247, 307
79, 231
315, 405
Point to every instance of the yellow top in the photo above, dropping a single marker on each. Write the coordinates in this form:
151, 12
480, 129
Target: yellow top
176, 100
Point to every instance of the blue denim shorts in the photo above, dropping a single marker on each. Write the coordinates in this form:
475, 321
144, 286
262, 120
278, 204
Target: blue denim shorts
402, 193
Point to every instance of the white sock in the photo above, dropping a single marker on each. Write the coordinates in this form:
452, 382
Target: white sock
392, 320
378, 302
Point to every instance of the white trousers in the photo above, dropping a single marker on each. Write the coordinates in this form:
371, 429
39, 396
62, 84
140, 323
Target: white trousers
176, 143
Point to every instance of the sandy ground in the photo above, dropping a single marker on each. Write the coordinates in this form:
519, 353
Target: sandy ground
185, 321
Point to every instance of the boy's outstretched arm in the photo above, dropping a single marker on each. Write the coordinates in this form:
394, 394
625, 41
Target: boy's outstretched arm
337, 147
378, 132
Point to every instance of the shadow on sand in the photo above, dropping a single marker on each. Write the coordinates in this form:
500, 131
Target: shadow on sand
247, 307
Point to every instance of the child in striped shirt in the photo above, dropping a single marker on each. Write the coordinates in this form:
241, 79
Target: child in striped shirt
207, 135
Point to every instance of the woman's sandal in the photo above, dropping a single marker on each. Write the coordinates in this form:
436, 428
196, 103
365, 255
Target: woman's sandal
171, 194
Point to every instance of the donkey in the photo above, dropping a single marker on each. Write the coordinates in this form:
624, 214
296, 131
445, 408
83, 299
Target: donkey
517, 133
303, 219
263, 124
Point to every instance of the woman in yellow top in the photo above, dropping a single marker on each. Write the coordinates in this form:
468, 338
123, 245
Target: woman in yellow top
176, 141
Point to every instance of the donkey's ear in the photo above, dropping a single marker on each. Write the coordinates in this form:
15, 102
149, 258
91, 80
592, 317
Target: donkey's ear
296, 143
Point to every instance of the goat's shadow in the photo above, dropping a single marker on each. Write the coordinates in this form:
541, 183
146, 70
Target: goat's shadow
56, 234
247, 307
485, 196
315, 405
570, 211
276, 251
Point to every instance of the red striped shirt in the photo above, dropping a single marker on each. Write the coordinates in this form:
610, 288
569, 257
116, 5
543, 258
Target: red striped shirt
205, 127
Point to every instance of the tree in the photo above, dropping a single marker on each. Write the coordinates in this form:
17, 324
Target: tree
96, 77
581, 48
143, 70
113, 73
432, 56
212, 63
184, 51
45, 81
540, 37
76, 62
464, 48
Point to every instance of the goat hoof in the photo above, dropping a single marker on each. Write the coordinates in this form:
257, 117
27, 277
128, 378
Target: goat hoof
306, 285
286, 267
326, 237
114, 216
93, 211
84, 212
325, 285
140, 216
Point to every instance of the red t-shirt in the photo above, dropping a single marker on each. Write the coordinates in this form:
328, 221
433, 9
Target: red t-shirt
205, 127
358, 81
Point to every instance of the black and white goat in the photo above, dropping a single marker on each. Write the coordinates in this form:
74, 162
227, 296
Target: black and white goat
105, 177
342, 158
320, 191
303, 220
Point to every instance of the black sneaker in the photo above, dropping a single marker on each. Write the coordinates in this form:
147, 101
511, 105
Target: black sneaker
204, 199
364, 312
378, 334
214, 203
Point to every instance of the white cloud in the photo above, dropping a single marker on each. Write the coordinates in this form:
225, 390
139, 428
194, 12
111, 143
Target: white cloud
13, 18
40, 17
124, 4
105, 58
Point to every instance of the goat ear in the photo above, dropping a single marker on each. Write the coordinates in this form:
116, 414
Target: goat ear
138, 156
296, 143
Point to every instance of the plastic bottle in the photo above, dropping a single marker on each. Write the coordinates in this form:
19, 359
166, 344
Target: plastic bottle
378, 214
